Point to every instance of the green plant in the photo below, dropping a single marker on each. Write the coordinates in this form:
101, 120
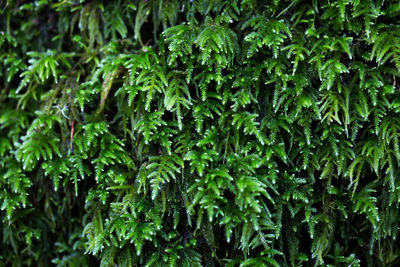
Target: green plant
199, 133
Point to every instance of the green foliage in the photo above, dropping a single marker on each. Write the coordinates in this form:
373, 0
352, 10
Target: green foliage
199, 133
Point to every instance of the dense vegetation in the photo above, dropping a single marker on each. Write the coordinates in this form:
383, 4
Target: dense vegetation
199, 133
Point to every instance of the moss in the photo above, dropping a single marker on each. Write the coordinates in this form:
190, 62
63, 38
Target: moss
199, 133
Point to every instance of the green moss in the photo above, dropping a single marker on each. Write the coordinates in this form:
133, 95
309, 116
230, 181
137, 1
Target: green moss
199, 133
